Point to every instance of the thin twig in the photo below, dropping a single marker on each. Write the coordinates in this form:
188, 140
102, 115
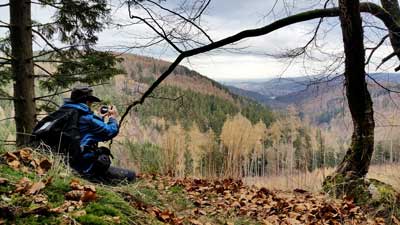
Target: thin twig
376, 47
164, 35
184, 18
380, 85
201, 10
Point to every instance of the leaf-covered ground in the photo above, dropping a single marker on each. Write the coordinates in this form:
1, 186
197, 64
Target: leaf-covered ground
36, 190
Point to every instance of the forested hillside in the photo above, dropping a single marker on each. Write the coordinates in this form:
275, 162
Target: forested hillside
323, 106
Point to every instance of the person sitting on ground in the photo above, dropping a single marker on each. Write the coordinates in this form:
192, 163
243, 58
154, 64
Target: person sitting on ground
94, 162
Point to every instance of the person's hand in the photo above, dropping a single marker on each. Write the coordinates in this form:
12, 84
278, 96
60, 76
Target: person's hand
113, 112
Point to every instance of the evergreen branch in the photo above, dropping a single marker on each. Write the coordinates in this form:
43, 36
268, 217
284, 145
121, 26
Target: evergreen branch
63, 92
48, 42
43, 69
184, 18
47, 4
7, 141
5, 5
8, 118
51, 95
49, 101
55, 50
7, 98
371, 8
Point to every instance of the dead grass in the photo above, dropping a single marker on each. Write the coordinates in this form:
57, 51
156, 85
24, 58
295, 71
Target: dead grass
389, 173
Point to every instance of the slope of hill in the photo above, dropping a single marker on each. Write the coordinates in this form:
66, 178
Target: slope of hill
321, 100
47, 195
185, 96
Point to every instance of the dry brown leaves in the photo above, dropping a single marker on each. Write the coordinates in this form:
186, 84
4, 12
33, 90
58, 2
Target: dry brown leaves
24, 160
230, 198
84, 193
27, 187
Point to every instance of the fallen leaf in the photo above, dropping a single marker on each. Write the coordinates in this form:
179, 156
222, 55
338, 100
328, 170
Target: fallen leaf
14, 164
10, 156
67, 205
91, 188
75, 185
36, 188
23, 185
25, 154
88, 196
40, 199
74, 195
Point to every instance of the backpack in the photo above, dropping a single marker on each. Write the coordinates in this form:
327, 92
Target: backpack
60, 131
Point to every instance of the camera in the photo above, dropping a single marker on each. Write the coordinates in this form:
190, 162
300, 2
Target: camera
104, 109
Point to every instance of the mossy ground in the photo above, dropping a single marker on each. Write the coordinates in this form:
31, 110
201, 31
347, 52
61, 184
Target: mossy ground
110, 207
376, 197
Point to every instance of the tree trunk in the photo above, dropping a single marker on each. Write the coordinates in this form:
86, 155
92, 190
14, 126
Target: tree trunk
358, 157
22, 69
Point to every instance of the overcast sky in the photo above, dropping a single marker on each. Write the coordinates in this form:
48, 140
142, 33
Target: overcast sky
224, 18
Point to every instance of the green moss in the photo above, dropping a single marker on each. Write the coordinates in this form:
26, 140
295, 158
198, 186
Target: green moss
56, 191
102, 210
37, 219
12, 174
339, 186
176, 189
90, 219
148, 196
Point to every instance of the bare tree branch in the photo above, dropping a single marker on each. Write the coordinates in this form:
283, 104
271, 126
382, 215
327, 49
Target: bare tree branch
380, 85
391, 55
372, 8
201, 10
375, 48
184, 18
163, 34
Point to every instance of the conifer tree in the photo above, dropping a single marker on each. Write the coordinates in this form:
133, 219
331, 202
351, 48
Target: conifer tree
74, 24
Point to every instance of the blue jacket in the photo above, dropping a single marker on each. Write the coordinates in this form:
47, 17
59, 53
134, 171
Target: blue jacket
92, 130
